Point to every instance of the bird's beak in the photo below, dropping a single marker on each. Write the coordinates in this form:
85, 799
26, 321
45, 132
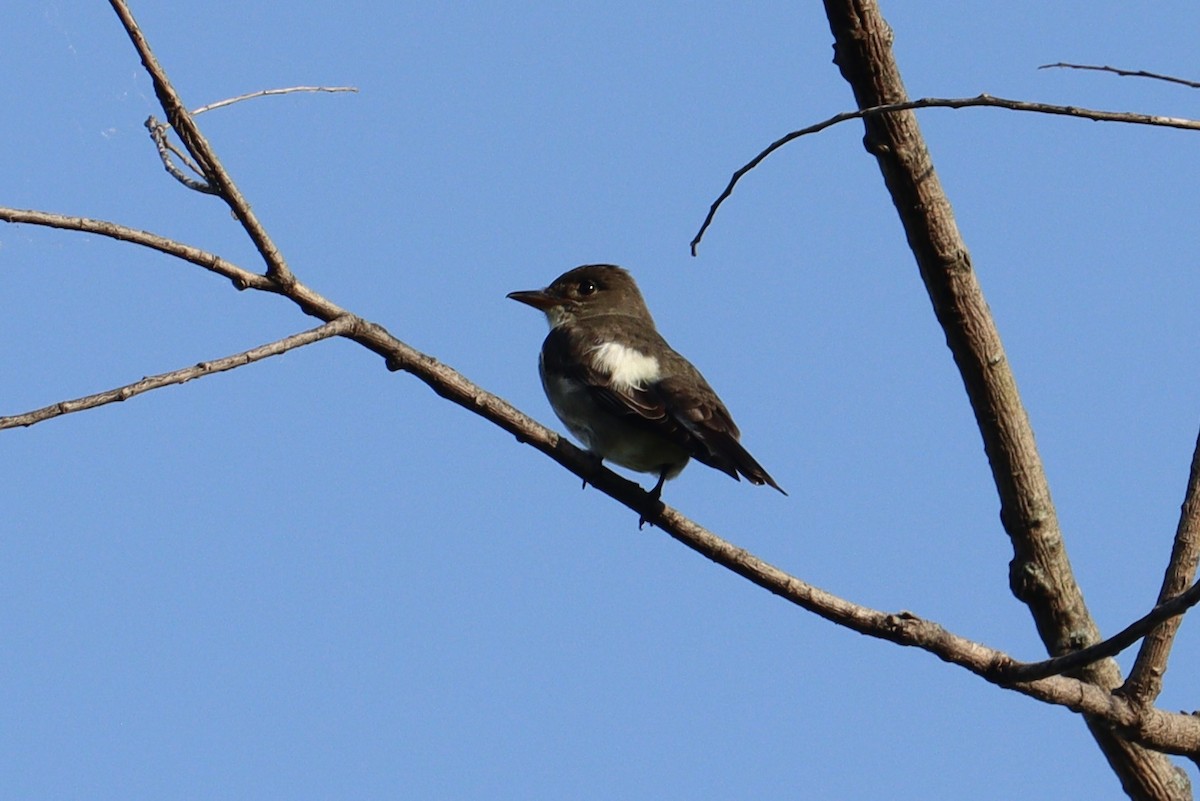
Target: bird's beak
537, 298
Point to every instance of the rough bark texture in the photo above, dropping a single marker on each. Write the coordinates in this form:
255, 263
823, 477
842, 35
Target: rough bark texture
1040, 574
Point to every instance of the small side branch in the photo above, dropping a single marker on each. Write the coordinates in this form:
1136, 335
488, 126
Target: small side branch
338, 327
940, 102
270, 93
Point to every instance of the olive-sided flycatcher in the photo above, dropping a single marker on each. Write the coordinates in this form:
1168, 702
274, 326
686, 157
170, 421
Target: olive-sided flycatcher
622, 390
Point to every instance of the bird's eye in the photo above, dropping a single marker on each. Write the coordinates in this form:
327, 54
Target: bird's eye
586, 287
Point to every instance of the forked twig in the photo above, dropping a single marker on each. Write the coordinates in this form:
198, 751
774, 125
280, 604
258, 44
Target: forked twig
158, 133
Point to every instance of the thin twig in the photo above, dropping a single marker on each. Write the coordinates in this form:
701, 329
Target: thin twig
214, 172
269, 92
940, 102
337, 327
1123, 73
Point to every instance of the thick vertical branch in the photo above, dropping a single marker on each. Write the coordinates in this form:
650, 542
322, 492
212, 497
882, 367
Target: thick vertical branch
1040, 574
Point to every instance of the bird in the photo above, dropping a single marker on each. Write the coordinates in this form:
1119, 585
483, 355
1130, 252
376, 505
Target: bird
621, 390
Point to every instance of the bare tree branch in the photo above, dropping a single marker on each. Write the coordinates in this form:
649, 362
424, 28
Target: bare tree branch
269, 93
1040, 573
241, 278
1124, 73
337, 327
1145, 679
210, 166
984, 100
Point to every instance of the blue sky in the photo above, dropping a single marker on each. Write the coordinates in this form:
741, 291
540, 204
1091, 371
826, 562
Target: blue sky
312, 578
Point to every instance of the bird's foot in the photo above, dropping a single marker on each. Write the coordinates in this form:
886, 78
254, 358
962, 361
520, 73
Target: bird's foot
597, 460
655, 495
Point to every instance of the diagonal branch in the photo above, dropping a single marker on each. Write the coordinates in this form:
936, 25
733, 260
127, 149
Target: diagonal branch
1123, 73
1145, 679
337, 327
214, 172
984, 100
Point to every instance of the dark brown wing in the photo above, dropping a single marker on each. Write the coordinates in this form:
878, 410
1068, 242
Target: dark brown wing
712, 433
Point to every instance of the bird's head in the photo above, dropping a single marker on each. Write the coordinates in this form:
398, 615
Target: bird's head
592, 290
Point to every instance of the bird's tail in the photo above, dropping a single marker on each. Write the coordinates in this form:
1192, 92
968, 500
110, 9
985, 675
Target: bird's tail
727, 454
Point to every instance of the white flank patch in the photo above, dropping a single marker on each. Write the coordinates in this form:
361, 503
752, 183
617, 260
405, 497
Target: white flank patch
628, 367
